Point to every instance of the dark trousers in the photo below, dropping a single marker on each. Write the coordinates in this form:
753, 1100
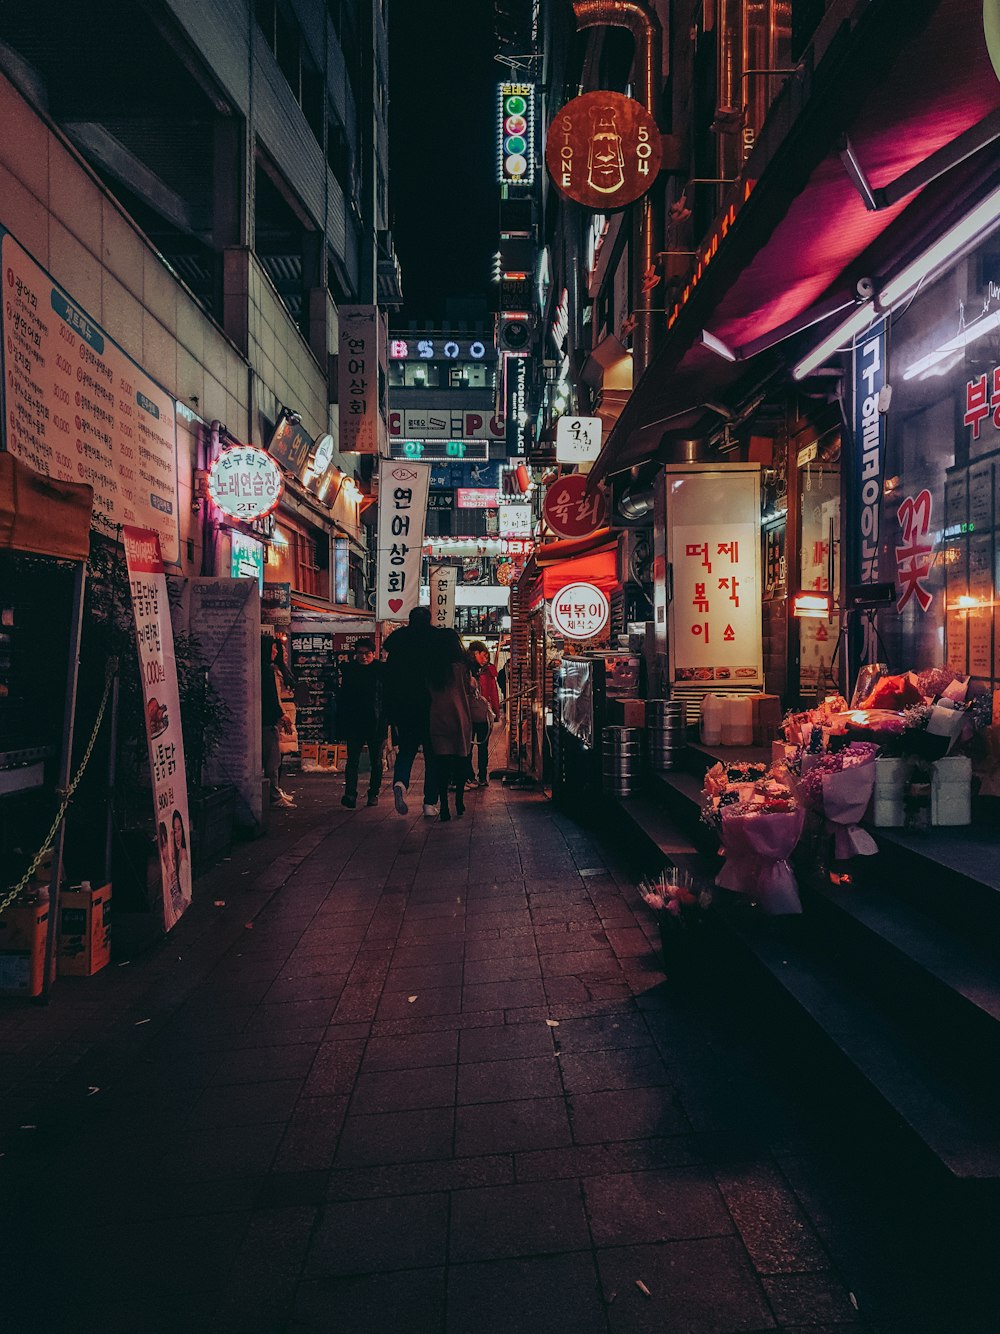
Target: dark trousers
480, 738
356, 742
410, 741
452, 769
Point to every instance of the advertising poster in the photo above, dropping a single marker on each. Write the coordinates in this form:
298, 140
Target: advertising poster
224, 617
154, 637
79, 410
402, 509
444, 580
276, 604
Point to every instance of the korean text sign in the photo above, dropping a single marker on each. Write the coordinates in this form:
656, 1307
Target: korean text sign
358, 369
870, 375
402, 510
80, 410
713, 521
444, 579
154, 639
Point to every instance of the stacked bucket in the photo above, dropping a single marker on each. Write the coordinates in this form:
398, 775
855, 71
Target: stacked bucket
621, 760
667, 728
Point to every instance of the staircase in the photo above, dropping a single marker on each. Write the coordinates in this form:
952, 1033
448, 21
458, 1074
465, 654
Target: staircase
894, 978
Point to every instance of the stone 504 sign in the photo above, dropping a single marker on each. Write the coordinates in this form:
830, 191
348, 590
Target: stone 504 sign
603, 150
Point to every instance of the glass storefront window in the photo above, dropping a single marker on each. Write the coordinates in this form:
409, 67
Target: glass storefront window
819, 559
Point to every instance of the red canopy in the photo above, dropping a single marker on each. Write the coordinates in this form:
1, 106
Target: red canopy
597, 567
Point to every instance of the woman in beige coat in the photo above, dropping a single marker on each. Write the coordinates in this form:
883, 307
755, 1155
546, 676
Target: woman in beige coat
449, 681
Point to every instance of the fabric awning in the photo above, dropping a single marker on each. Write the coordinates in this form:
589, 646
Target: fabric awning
901, 88
42, 516
598, 568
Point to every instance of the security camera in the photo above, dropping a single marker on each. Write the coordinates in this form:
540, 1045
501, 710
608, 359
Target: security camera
865, 288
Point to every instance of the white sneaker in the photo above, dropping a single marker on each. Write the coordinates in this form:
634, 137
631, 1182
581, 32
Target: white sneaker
284, 801
431, 810
399, 797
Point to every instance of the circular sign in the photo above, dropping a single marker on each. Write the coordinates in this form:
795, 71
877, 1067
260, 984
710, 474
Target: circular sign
245, 482
569, 511
515, 335
580, 611
603, 150
324, 454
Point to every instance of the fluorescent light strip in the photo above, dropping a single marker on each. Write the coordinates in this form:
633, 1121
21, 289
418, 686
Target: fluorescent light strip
973, 227
970, 335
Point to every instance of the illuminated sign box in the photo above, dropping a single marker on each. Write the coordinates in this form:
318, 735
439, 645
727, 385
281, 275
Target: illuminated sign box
440, 349
516, 134
433, 451
477, 497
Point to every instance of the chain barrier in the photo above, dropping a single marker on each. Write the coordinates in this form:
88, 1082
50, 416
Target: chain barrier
16, 890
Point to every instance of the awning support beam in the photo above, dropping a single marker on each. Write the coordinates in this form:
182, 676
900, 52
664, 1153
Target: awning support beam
950, 155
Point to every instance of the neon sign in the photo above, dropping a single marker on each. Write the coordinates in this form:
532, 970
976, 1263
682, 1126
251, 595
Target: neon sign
245, 482
516, 134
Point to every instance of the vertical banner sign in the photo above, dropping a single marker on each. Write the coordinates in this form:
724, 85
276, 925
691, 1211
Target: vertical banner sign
870, 375
154, 639
516, 134
402, 509
444, 580
358, 379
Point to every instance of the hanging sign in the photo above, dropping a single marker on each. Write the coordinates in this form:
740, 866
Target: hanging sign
516, 134
444, 579
245, 482
603, 150
276, 603
870, 378
154, 637
578, 439
246, 559
291, 444
514, 520
580, 611
569, 511
358, 379
402, 508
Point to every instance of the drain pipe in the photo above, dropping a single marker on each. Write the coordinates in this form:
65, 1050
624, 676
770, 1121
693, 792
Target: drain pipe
644, 25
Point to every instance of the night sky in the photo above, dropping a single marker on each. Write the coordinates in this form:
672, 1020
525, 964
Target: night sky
442, 165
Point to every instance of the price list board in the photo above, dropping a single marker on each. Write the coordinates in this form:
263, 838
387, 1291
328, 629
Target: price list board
314, 666
78, 409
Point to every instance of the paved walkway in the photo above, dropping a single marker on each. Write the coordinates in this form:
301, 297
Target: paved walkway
393, 1075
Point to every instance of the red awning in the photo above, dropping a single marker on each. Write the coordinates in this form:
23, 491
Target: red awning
598, 568
797, 238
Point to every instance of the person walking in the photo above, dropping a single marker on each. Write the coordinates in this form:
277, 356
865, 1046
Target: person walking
450, 680
408, 702
362, 720
485, 709
273, 720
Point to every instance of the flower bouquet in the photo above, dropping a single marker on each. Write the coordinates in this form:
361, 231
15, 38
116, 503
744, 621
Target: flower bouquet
839, 786
759, 823
679, 910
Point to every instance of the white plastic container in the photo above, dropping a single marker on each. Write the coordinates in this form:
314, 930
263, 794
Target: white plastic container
711, 720
737, 720
951, 791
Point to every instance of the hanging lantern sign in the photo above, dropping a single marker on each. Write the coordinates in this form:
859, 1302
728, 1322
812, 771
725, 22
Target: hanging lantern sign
603, 150
580, 611
245, 482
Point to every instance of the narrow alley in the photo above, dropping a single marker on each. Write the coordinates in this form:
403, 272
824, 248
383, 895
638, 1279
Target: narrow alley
394, 1075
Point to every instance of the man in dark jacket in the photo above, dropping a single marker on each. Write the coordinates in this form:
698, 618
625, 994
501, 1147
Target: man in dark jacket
361, 720
408, 702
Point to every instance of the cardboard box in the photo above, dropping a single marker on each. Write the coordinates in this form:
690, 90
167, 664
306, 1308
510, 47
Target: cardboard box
309, 750
627, 712
23, 928
766, 718
84, 944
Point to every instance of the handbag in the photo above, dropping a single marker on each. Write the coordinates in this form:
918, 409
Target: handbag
479, 708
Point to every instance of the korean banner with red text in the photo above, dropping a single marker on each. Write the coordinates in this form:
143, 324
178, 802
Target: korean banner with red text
402, 510
154, 639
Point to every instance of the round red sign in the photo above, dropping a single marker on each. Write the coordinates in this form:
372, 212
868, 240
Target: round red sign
569, 511
580, 611
603, 150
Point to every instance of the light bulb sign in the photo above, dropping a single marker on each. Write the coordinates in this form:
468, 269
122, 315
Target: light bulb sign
580, 611
603, 150
245, 482
516, 134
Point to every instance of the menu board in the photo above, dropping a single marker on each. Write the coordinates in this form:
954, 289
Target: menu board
955, 636
224, 617
981, 497
314, 666
981, 641
77, 408
956, 495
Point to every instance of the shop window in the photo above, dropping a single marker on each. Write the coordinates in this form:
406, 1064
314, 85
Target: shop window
819, 559
422, 375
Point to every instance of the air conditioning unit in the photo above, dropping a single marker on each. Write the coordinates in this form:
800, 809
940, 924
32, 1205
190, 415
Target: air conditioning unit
634, 557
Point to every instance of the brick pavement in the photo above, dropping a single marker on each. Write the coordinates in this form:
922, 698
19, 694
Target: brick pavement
416, 1077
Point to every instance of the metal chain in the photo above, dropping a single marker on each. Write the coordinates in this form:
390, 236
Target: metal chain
17, 889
